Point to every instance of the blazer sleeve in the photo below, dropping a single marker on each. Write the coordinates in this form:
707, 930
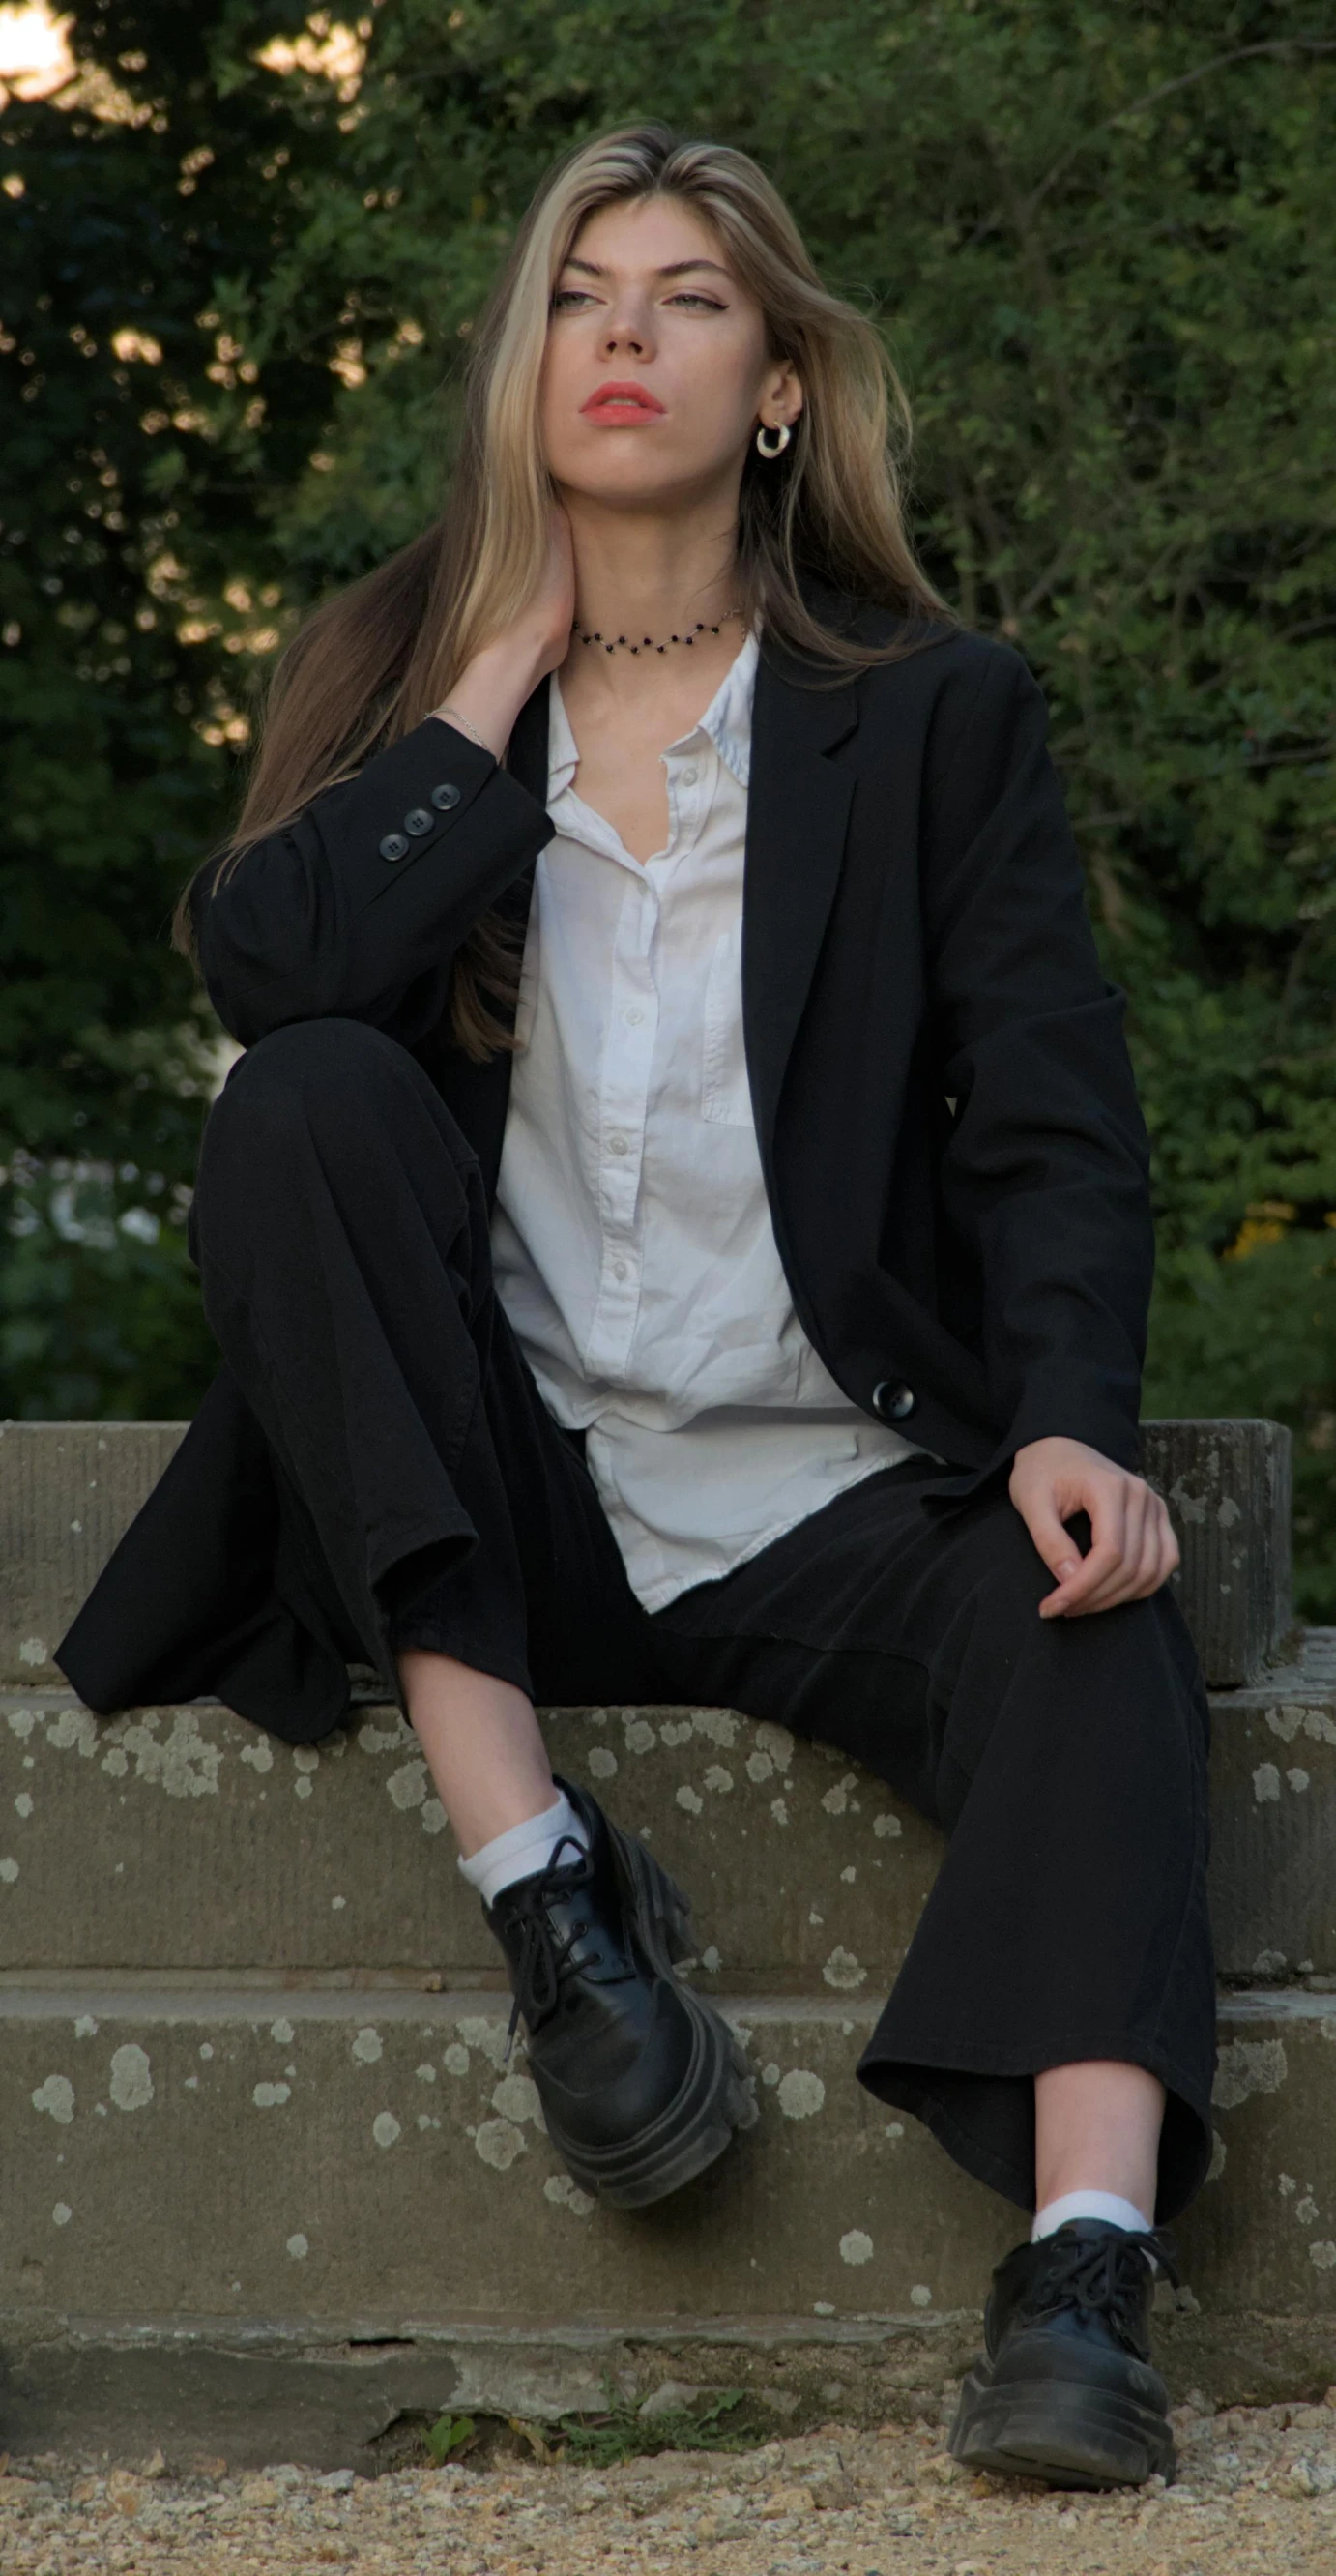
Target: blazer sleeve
1045, 1173
357, 907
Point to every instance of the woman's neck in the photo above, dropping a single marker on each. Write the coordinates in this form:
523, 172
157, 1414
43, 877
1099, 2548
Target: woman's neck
647, 574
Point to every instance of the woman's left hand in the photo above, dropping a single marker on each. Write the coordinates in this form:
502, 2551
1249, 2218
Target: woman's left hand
1133, 1547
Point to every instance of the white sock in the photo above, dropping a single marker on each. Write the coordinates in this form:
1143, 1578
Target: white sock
524, 1849
1088, 2204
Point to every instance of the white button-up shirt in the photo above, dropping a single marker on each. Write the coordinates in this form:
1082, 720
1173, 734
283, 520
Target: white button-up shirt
632, 1240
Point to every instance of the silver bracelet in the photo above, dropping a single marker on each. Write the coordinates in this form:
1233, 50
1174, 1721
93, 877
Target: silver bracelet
450, 715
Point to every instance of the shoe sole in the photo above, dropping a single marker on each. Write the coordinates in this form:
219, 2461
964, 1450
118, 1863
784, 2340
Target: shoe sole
714, 2100
1068, 2433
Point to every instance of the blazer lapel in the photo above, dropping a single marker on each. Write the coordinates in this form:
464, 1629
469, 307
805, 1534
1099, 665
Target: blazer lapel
526, 751
798, 805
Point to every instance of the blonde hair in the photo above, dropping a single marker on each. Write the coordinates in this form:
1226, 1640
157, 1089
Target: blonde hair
371, 663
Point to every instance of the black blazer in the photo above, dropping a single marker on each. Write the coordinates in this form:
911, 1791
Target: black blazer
955, 1159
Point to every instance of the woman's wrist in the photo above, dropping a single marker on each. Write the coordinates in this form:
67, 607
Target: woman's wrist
492, 688
449, 714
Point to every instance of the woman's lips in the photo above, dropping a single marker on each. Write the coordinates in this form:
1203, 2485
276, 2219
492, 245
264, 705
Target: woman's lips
625, 406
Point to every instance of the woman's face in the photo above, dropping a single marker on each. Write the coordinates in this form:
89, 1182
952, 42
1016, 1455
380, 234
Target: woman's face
656, 371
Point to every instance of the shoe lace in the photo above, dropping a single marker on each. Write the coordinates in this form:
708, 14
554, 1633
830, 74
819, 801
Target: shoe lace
542, 1955
1106, 2276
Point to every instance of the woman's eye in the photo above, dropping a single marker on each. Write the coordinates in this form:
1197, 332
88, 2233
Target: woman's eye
567, 299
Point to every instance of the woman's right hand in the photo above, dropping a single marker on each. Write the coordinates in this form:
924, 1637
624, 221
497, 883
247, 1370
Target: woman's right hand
493, 686
548, 619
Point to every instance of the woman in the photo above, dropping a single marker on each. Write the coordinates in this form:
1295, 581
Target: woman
744, 1302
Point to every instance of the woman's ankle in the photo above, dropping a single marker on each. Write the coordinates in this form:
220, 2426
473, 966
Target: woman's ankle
483, 1745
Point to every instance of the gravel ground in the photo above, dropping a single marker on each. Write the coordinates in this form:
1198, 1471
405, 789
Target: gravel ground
1256, 2491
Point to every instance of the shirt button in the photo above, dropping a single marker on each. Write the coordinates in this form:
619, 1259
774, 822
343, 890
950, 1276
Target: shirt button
394, 846
617, 1145
619, 1270
634, 1016
689, 776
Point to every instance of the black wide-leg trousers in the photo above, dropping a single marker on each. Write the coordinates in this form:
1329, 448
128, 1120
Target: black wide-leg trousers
432, 1500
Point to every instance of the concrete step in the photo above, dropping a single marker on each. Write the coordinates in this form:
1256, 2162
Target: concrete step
219, 2173
271, 2180
69, 1489
181, 1839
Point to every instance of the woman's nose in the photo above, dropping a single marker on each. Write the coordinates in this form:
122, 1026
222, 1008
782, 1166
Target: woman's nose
628, 331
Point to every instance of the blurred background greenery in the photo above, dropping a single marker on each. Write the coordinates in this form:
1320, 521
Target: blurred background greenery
243, 254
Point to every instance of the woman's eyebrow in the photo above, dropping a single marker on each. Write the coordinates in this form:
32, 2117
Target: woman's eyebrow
674, 268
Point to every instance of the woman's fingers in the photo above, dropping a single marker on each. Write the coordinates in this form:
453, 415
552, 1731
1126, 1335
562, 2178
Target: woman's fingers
1103, 1498
1120, 1581
1132, 1564
1133, 1549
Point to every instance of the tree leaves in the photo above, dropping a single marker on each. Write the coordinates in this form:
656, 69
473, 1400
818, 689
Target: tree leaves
1101, 244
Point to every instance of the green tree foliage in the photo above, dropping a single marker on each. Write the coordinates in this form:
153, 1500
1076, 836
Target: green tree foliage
138, 464
1101, 244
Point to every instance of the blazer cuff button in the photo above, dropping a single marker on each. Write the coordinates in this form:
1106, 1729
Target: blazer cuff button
893, 1400
418, 822
444, 796
394, 846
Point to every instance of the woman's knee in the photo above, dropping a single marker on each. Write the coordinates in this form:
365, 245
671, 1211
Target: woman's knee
1138, 1648
330, 1078
312, 1062
335, 1097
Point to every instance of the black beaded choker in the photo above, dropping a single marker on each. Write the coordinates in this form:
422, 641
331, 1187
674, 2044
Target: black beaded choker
647, 643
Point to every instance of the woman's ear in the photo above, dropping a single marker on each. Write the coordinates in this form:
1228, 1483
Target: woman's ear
782, 399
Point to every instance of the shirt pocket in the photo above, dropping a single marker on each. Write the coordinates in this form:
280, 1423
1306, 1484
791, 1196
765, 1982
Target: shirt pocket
725, 1091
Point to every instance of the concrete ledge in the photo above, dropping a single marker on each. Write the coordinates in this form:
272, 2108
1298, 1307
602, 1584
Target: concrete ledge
334, 2399
331, 2398
69, 1489
281, 2229
182, 1840
1228, 1485
68, 1492
338, 2155
344, 2154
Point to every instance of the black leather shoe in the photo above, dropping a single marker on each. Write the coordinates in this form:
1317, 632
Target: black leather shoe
1065, 2390
642, 2083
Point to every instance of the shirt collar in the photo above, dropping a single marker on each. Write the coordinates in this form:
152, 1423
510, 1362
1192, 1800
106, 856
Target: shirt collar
727, 721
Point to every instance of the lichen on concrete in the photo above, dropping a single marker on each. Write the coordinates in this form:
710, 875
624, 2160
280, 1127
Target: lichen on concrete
800, 2094
565, 2194
1248, 2066
56, 2098
516, 2098
407, 1787
842, 1970
499, 2143
131, 2077
185, 1763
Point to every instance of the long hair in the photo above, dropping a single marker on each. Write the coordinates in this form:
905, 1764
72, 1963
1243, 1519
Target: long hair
372, 662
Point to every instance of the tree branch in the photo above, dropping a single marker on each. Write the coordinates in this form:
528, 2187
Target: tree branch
1166, 89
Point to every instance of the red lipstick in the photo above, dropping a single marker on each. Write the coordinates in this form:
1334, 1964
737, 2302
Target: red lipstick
622, 404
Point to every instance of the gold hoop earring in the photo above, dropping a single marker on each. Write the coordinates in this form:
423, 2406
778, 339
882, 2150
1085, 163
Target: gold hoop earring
781, 434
